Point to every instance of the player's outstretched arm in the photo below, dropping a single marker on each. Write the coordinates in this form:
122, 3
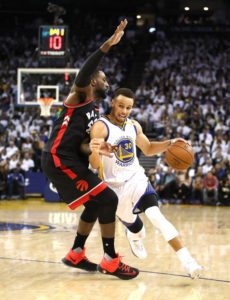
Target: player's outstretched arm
81, 90
84, 77
151, 148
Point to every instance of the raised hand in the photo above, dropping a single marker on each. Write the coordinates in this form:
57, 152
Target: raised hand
116, 37
119, 32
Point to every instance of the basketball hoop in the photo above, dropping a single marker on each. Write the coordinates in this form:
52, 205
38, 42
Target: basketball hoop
45, 105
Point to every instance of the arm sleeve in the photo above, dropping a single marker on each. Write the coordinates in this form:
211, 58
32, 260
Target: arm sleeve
84, 76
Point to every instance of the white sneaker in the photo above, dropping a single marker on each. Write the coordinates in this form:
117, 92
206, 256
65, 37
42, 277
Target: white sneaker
136, 246
193, 269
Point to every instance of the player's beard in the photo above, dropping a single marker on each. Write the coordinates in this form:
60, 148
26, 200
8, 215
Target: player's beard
100, 94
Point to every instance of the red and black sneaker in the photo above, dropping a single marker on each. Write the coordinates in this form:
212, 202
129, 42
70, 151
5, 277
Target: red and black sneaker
79, 261
117, 268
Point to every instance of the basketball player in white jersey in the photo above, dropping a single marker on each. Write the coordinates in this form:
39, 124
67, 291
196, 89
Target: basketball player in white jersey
123, 173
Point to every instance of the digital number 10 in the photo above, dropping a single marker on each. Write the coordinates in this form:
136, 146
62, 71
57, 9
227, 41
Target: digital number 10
55, 42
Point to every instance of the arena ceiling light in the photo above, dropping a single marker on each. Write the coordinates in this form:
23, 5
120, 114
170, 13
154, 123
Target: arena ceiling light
187, 8
138, 16
152, 29
205, 8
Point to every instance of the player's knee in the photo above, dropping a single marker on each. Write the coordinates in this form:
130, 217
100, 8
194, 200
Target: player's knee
159, 221
108, 198
155, 214
148, 201
90, 213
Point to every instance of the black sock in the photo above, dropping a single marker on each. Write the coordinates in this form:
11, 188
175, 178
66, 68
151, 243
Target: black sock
108, 245
79, 241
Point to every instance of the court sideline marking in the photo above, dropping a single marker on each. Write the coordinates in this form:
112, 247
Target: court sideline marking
143, 271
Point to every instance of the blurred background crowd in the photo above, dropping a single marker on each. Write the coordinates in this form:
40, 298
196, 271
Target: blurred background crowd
180, 78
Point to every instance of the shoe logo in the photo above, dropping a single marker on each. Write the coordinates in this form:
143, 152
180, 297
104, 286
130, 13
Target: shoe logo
82, 185
129, 273
126, 270
73, 260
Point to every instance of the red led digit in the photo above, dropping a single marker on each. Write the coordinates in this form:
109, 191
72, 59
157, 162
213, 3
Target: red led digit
55, 42
51, 42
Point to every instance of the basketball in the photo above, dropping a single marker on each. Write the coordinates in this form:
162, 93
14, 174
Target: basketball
179, 155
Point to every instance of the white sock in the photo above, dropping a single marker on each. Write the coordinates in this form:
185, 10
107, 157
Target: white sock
184, 255
136, 236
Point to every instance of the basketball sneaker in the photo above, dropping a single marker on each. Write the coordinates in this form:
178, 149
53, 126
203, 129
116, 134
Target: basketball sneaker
136, 246
117, 268
193, 269
79, 261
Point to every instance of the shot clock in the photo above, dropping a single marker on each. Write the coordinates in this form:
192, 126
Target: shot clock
53, 40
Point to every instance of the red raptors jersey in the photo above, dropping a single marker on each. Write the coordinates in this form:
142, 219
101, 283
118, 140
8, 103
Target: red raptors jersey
70, 130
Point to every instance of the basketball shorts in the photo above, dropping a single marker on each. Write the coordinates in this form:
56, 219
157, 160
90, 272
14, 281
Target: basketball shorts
74, 182
130, 195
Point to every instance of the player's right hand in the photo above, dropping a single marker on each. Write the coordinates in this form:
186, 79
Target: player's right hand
101, 147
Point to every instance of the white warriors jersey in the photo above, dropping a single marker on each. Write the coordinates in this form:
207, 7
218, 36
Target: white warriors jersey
124, 164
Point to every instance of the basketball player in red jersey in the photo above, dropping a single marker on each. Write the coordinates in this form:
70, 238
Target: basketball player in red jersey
66, 166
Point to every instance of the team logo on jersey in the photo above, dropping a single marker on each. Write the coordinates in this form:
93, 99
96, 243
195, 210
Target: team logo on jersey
124, 151
82, 185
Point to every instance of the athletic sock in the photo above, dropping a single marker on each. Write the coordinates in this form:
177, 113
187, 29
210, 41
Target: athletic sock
108, 246
184, 255
79, 241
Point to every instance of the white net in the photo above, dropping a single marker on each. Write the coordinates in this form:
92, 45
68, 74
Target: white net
45, 105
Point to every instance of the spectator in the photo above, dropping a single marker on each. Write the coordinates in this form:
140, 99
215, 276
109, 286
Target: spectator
184, 187
14, 160
224, 192
16, 183
27, 145
27, 162
207, 166
169, 190
2, 184
210, 192
11, 149
220, 171
197, 190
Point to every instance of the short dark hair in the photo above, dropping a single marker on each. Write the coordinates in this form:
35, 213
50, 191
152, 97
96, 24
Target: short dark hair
95, 74
124, 92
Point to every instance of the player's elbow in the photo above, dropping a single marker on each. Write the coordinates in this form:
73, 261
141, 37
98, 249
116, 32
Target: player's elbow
94, 166
147, 152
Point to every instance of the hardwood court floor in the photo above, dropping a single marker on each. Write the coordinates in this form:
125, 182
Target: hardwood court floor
35, 235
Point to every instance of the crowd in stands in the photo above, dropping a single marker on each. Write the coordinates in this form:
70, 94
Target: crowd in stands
185, 92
